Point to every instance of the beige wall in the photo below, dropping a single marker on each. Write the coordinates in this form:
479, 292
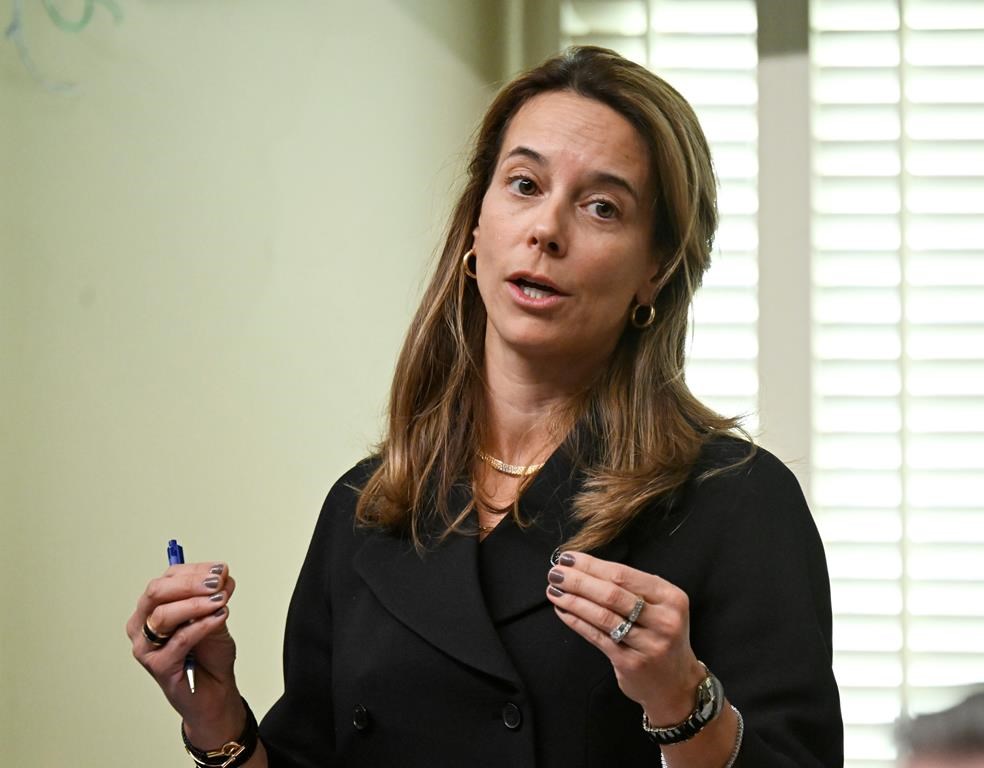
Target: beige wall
209, 254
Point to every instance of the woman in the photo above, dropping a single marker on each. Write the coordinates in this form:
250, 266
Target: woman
555, 536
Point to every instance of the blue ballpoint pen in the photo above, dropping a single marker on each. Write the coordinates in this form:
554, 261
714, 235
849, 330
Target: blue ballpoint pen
175, 556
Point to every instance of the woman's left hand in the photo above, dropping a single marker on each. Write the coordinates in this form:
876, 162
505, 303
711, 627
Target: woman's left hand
654, 663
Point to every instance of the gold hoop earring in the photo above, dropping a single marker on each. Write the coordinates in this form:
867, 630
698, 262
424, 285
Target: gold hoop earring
465, 267
649, 319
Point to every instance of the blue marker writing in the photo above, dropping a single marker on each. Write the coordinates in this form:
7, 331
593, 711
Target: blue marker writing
175, 556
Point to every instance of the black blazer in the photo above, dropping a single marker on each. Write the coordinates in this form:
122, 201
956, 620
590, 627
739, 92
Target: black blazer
457, 659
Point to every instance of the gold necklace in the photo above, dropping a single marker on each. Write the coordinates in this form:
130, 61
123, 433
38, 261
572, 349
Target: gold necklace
496, 516
515, 470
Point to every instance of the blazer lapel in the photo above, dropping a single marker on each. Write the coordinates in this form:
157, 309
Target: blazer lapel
438, 596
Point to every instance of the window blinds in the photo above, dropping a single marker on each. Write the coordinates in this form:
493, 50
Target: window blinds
706, 49
898, 370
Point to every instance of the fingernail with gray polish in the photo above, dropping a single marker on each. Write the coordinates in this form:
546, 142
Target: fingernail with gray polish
566, 559
555, 576
211, 582
218, 597
220, 612
217, 569
556, 592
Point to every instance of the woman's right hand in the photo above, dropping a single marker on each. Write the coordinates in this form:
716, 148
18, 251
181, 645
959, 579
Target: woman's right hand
190, 603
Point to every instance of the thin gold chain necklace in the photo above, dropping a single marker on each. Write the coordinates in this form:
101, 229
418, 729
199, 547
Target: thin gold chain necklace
497, 517
514, 470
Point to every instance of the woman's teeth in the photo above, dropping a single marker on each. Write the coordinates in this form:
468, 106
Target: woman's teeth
533, 293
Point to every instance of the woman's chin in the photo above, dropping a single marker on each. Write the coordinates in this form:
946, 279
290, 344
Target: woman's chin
550, 353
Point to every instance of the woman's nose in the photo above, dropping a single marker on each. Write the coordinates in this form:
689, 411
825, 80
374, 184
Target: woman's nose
547, 232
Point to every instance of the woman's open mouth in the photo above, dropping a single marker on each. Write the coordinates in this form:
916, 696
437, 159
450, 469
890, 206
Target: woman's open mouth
535, 290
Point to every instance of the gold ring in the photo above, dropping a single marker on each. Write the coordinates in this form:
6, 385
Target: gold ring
154, 638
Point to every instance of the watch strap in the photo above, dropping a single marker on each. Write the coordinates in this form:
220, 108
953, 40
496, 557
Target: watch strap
710, 702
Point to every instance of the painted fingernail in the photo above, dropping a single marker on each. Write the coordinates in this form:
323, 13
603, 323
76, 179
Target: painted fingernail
218, 597
566, 559
217, 569
219, 613
555, 576
211, 582
556, 592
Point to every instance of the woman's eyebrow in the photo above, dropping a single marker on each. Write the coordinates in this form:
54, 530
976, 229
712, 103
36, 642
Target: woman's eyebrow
521, 151
613, 179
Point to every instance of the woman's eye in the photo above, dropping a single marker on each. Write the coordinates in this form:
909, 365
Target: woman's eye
604, 210
523, 185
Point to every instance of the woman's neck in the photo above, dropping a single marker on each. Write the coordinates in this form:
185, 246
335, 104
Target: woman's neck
527, 407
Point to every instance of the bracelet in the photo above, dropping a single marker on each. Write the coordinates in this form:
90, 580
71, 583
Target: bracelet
232, 754
738, 739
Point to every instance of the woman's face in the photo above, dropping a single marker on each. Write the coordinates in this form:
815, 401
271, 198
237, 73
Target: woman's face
563, 238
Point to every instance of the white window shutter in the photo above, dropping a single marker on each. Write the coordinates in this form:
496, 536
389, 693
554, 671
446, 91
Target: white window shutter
898, 453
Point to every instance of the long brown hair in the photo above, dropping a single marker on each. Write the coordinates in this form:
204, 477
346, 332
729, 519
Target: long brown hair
644, 427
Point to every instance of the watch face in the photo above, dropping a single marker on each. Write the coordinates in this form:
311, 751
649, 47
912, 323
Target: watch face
710, 695
705, 698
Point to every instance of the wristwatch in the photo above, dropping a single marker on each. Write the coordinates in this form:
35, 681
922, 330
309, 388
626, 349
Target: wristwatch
710, 701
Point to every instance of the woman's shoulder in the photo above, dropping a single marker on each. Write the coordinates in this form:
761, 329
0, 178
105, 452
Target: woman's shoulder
737, 486
355, 478
338, 509
742, 513
733, 464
